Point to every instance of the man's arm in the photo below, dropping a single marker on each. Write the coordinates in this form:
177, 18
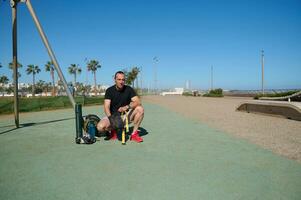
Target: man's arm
135, 101
106, 107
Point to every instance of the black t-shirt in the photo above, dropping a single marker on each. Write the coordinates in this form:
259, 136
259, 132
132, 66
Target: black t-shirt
119, 98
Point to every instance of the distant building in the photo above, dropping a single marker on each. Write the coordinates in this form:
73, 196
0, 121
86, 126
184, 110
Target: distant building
177, 91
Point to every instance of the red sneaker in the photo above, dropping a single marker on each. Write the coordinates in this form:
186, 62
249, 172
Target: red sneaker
112, 135
135, 137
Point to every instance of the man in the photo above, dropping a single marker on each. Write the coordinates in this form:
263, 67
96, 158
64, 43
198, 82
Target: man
121, 98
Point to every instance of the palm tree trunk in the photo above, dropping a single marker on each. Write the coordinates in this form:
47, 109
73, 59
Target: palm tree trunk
74, 86
94, 83
53, 85
33, 85
137, 83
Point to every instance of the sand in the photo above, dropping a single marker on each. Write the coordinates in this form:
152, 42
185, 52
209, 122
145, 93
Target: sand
280, 135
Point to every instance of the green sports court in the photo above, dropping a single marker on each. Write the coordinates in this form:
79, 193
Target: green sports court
179, 159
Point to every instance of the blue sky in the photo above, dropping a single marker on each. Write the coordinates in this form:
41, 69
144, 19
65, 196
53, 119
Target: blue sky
188, 37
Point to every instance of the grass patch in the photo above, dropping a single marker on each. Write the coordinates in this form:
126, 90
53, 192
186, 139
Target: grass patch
44, 103
187, 94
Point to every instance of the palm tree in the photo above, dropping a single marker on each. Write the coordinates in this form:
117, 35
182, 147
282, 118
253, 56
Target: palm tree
135, 71
3, 80
46, 87
92, 66
50, 68
11, 66
128, 77
42, 87
9, 90
31, 69
59, 87
81, 88
74, 69
131, 75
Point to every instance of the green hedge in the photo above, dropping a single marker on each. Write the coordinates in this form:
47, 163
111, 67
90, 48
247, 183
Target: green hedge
214, 93
187, 94
44, 103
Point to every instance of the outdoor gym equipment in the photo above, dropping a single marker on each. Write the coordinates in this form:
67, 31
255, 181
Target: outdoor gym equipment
77, 107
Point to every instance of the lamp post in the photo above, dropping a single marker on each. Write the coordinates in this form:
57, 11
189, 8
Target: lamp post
211, 77
262, 72
156, 60
141, 87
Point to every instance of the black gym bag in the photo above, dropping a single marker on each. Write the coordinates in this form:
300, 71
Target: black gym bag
90, 130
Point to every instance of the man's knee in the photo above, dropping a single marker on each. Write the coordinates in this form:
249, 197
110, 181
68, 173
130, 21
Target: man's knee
139, 113
101, 126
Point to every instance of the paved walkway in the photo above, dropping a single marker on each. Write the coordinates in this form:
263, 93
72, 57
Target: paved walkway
180, 159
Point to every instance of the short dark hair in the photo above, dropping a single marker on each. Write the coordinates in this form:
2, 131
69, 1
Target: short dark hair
119, 72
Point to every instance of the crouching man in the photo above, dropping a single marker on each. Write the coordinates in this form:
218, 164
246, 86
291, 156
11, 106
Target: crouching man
121, 98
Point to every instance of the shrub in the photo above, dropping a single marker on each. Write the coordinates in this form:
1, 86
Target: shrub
214, 93
194, 93
187, 94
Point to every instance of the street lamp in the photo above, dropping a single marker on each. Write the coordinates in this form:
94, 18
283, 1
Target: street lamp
211, 77
262, 72
156, 60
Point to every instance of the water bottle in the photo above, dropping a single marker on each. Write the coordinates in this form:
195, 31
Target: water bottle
92, 130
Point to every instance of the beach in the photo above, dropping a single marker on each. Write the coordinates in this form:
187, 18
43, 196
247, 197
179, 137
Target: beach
279, 135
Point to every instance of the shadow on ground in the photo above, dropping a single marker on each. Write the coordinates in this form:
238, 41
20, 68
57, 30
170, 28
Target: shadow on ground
142, 132
31, 124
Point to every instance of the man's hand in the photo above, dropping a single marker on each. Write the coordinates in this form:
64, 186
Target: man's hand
123, 109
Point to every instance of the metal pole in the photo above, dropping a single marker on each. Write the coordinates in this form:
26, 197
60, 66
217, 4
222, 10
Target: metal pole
148, 88
141, 80
262, 72
155, 73
15, 61
50, 52
211, 77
